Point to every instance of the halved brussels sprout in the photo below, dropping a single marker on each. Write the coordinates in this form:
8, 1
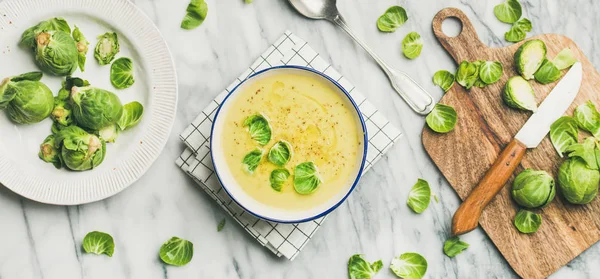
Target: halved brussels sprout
53, 24
529, 58
49, 153
95, 108
106, 48
7, 90
80, 150
82, 47
33, 102
56, 52
518, 94
578, 183
532, 189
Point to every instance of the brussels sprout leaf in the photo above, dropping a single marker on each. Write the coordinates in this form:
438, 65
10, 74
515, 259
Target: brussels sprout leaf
588, 118
280, 153
412, 45
221, 225
442, 118
132, 114
31, 76
443, 79
177, 251
409, 265
82, 47
259, 128
518, 31
99, 243
467, 74
306, 178
251, 160
563, 133
278, 178
419, 196
49, 153
527, 221
547, 73
359, 268
490, 71
248, 1
194, 14
107, 48
393, 18
454, 246
121, 73
585, 151
564, 59
509, 12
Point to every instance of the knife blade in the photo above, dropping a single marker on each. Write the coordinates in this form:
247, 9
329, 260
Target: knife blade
531, 134
552, 108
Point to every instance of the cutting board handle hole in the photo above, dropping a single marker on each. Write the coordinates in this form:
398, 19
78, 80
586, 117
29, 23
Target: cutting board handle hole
452, 26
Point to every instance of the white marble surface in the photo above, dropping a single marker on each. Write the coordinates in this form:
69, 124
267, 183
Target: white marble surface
42, 241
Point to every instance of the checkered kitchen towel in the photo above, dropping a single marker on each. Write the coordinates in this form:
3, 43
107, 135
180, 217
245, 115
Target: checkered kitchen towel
281, 239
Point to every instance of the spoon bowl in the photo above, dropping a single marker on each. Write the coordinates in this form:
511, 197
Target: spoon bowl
316, 9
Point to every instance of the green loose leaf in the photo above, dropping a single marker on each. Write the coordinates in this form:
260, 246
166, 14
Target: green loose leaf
467, 74
278, 178
443, 79
412, 45
359, 268
563, 133
518, 31
221, 225
519, 94
195, 14
107, 48
490, 71
409, 266
527, 221
509, 12
547, 73
393, 18
306, 178
82, 47
454, 246
251, 160
132, 115
121, 73
564, 59
177, 251
586, 151
588, 118
99, 243
259, 128
442, 118
419, 196
49, 153
280, 153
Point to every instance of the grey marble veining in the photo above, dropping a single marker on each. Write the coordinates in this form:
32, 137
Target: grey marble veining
42, 241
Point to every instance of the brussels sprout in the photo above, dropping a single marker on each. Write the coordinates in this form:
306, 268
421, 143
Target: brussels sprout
442, 118
49, 153
518, 31
106, 48
56, 53
95, 108
547, 73
109, 133
443, 79
586, 151
54, 24
7, 86
121, 73
533, 189
578, 183
563, 133
393, 18
80, 150
509, 12
132, 114
82, 47
467, 74
359, 268
195, 13
412, 45
518, 94
62, 112
33, 102
529, 58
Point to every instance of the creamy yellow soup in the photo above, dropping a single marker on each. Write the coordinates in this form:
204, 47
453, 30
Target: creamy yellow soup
305, 111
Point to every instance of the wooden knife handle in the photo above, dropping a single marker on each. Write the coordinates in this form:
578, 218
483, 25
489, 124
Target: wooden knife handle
466, 217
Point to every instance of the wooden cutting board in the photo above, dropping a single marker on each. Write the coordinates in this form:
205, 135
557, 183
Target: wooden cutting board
485, 126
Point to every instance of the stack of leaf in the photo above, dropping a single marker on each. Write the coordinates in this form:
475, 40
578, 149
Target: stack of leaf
85, 118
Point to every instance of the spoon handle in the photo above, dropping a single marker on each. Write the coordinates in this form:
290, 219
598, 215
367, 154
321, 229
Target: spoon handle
413, 94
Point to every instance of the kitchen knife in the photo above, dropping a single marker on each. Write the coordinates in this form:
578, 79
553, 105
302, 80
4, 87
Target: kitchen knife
531, 134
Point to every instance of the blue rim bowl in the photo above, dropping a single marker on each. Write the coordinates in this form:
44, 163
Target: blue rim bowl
265, 215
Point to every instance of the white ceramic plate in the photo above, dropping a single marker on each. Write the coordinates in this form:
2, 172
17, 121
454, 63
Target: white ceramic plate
155, 87
236, 191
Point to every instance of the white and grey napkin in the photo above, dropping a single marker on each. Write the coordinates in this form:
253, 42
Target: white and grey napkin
282, 239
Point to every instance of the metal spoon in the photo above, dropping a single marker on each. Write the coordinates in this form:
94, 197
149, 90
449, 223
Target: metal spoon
412, 93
